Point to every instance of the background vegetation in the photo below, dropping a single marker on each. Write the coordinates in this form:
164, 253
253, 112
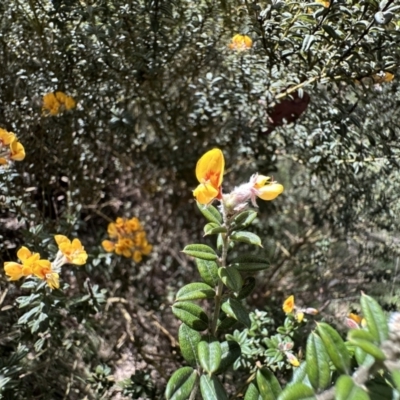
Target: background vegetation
156, 86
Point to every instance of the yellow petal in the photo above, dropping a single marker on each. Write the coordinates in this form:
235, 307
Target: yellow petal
261, 181
61, 239
53, 280
61, 97
6, 137
270, 192
13, 270
241, 42
108, 245
300, 316
210, 168
70, 103
137, 256
288, 305
355, 317
205, 193
24, 253
17, 151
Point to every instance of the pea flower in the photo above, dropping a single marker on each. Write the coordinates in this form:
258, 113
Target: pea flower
128, 239
209, 173
354, 321
56, 102
73, 252
31, 265
10, 147
241, 42
289, 307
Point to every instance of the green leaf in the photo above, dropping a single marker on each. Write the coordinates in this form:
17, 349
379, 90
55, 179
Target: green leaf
191, 314
200, 251
234, 309
317, 363
335, 347
247, 289
188, 341
244, 219
208, 271
246, 237
210, 353
369, 348
195, 291
181, 384
376, 320
346, 389
300, 374
360, 334
230, 352
331, 32
267, 384
252, 393
28, 315
211, 388
212, 229
298, 391
250, 263
211, 213
231, 278
396, 378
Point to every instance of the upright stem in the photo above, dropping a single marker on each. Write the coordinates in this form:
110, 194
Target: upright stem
220, 288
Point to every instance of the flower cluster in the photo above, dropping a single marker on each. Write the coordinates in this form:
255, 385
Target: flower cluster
55, 103
241, 42
10, 147
128, 239
289, 307
32, 265
209, 173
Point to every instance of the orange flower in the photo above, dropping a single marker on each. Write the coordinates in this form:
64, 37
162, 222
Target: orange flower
241, 42
209, 172
17, 151
54, 103
108, 245
73, 251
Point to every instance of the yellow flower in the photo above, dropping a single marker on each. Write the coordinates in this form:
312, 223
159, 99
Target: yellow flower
17, 151
209, 172
355, 317
124, 247
240, 42
147, 248
299, 316
288, 305
137, 256
323, 2
73, 251
31, 265
267, 190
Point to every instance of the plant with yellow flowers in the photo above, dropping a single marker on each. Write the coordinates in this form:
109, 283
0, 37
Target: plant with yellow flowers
55, 103
10, 148
32, 266
128, 239
241, 42
209, 307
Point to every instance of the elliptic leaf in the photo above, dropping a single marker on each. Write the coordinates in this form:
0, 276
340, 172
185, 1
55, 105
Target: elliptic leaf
188, 341
246, 237
231, 278
234, 309
247, 289
335, 347
298, 391
211, 213
195, 291
376, 320
346, 389
317, 363
208, 271
369, 348
200, 251
250, 263
191, 314
267, 384
181, 384
252, 393
212, 229
211, 388
244, 219
209, 352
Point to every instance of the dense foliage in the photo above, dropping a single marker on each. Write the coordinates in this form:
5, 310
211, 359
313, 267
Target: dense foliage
115, 101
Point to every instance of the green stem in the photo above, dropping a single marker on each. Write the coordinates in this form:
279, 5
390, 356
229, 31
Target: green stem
220, 288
